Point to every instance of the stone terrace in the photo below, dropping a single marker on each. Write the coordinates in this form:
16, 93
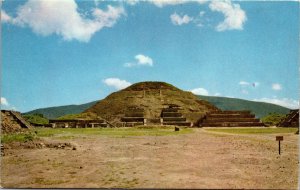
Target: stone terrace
230, 119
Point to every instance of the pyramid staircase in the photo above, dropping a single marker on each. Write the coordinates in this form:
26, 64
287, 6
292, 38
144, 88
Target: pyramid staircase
16, 117
230, 119
291, 120
172, 116
133, 117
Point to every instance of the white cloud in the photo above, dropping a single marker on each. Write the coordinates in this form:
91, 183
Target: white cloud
217, 94
276, 86
244, 83
200, 91
162, 3
132, 2
285, 102
116, 83
235, 17
62, 18
141, 60
4, 102
178, 20
5, 18
144, 60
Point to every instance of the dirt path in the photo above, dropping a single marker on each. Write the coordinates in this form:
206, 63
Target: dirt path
198, 160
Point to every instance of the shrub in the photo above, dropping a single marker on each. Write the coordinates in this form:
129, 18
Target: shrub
272, 119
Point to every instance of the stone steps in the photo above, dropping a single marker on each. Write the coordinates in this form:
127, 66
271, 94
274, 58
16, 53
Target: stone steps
231, 112
134, 114
174, 119
170, 110
233, 124
230, 116
291, 120
213, 120
21, 120
171, 114
177, 123
230, 119
132, 119
132, 124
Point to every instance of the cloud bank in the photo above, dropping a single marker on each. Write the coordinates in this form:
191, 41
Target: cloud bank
116, 83
276, 86
141, 60
4, 102
62, 18
234, 16
178, 20
200, 91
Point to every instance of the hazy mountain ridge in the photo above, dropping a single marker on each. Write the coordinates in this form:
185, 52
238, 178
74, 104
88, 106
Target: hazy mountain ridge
259, 108
58, 111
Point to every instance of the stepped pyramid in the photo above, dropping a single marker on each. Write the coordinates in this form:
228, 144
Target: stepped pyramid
152, 98
230, 119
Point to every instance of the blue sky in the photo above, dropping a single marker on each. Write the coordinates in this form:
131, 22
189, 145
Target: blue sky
71, 52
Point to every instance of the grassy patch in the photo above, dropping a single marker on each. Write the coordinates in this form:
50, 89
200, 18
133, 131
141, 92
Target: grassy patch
20, 137
115, 132
70, 133
254, 130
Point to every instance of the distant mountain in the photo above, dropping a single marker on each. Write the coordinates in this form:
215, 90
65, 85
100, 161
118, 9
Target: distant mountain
260, 109
55, 112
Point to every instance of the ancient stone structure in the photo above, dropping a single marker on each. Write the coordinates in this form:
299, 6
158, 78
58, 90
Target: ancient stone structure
172, 116
12, 121
134, 116
78, 123
230, 119
151, 97
291, 120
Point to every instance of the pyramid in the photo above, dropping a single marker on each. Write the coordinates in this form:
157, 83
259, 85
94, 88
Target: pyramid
147, 100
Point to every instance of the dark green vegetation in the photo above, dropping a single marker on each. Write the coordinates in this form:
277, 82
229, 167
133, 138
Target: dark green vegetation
260, 109
254, 130
273, 119
55, 112
36, 119
66, 133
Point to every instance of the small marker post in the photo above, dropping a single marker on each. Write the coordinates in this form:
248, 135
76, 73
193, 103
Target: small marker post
279, 138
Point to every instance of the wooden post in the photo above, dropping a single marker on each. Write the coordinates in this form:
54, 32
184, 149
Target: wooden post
279, 138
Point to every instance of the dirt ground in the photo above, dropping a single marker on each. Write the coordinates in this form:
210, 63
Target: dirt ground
198, 160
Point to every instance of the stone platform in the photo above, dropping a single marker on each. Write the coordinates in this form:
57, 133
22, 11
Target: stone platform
230, 119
